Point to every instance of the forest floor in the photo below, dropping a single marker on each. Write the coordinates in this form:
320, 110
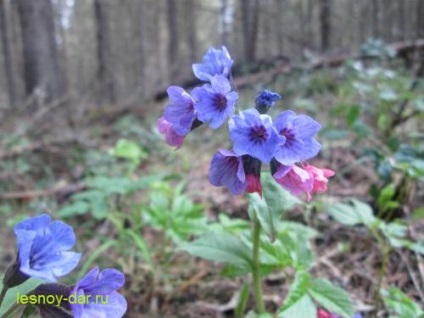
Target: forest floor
46, 156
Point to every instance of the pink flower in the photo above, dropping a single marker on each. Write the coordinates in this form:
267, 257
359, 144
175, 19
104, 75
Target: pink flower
294, 179
253, 184
320, 177
324, 314
171, 137
304, 179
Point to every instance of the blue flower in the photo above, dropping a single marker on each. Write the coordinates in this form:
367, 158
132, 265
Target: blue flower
215, 62
180, 112
43, 248
254, 134
227, 170
265, 100
238, 173
99, 291
215, 102
299, 131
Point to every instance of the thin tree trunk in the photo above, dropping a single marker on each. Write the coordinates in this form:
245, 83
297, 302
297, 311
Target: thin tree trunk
250, 17
420, 19
141, 33
104, 76
191, 26
375, 9
401, 28
310, 18
279, 26
224, 26
41, 57
325, 24
173, 47
10, 87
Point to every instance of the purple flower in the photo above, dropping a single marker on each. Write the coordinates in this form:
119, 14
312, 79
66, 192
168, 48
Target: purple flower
215, 62
180, 111
99, 291
254, 134
226, 169
299, 131
265, 100
215, 102
171, 137
43, 248
238, 173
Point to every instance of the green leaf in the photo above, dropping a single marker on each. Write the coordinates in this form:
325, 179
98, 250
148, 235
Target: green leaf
259, 207
304, 307
353, 114
13, 293
220, 247
129, 150
278, 199
298, 249
29, 310
397, 301
298, 290
109, 185
418, 213
352, 214
332, 298
270, 209
76, 208
141, 244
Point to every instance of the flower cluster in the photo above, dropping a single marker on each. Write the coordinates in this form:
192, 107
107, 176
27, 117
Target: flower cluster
44, 252
285, 143
211, 103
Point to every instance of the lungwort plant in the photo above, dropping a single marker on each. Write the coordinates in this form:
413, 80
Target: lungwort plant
44, 255
280, 147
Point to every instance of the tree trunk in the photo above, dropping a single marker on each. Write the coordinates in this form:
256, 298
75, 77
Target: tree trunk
104, 75
250, 17
325, 24
224, 24
420, 19
173, 46
280, 6
191, 29
401, 28
375, 9
41, 57
7, 60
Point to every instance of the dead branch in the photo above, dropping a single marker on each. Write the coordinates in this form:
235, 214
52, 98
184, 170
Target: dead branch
61, 188
10, 153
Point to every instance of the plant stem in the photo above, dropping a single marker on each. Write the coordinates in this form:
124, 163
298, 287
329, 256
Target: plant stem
385, 253
2, 294
256, 269
8, 312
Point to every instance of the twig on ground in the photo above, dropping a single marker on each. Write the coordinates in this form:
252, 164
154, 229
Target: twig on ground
59, 188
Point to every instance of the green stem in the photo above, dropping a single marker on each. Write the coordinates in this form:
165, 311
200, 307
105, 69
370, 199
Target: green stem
256, 269
12, 308
2, 294
385, 251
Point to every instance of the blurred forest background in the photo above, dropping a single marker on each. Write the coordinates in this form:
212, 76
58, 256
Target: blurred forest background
83, 82
126, 51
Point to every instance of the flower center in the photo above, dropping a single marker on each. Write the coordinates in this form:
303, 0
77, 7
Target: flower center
220, 102
288, 133
258, 134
